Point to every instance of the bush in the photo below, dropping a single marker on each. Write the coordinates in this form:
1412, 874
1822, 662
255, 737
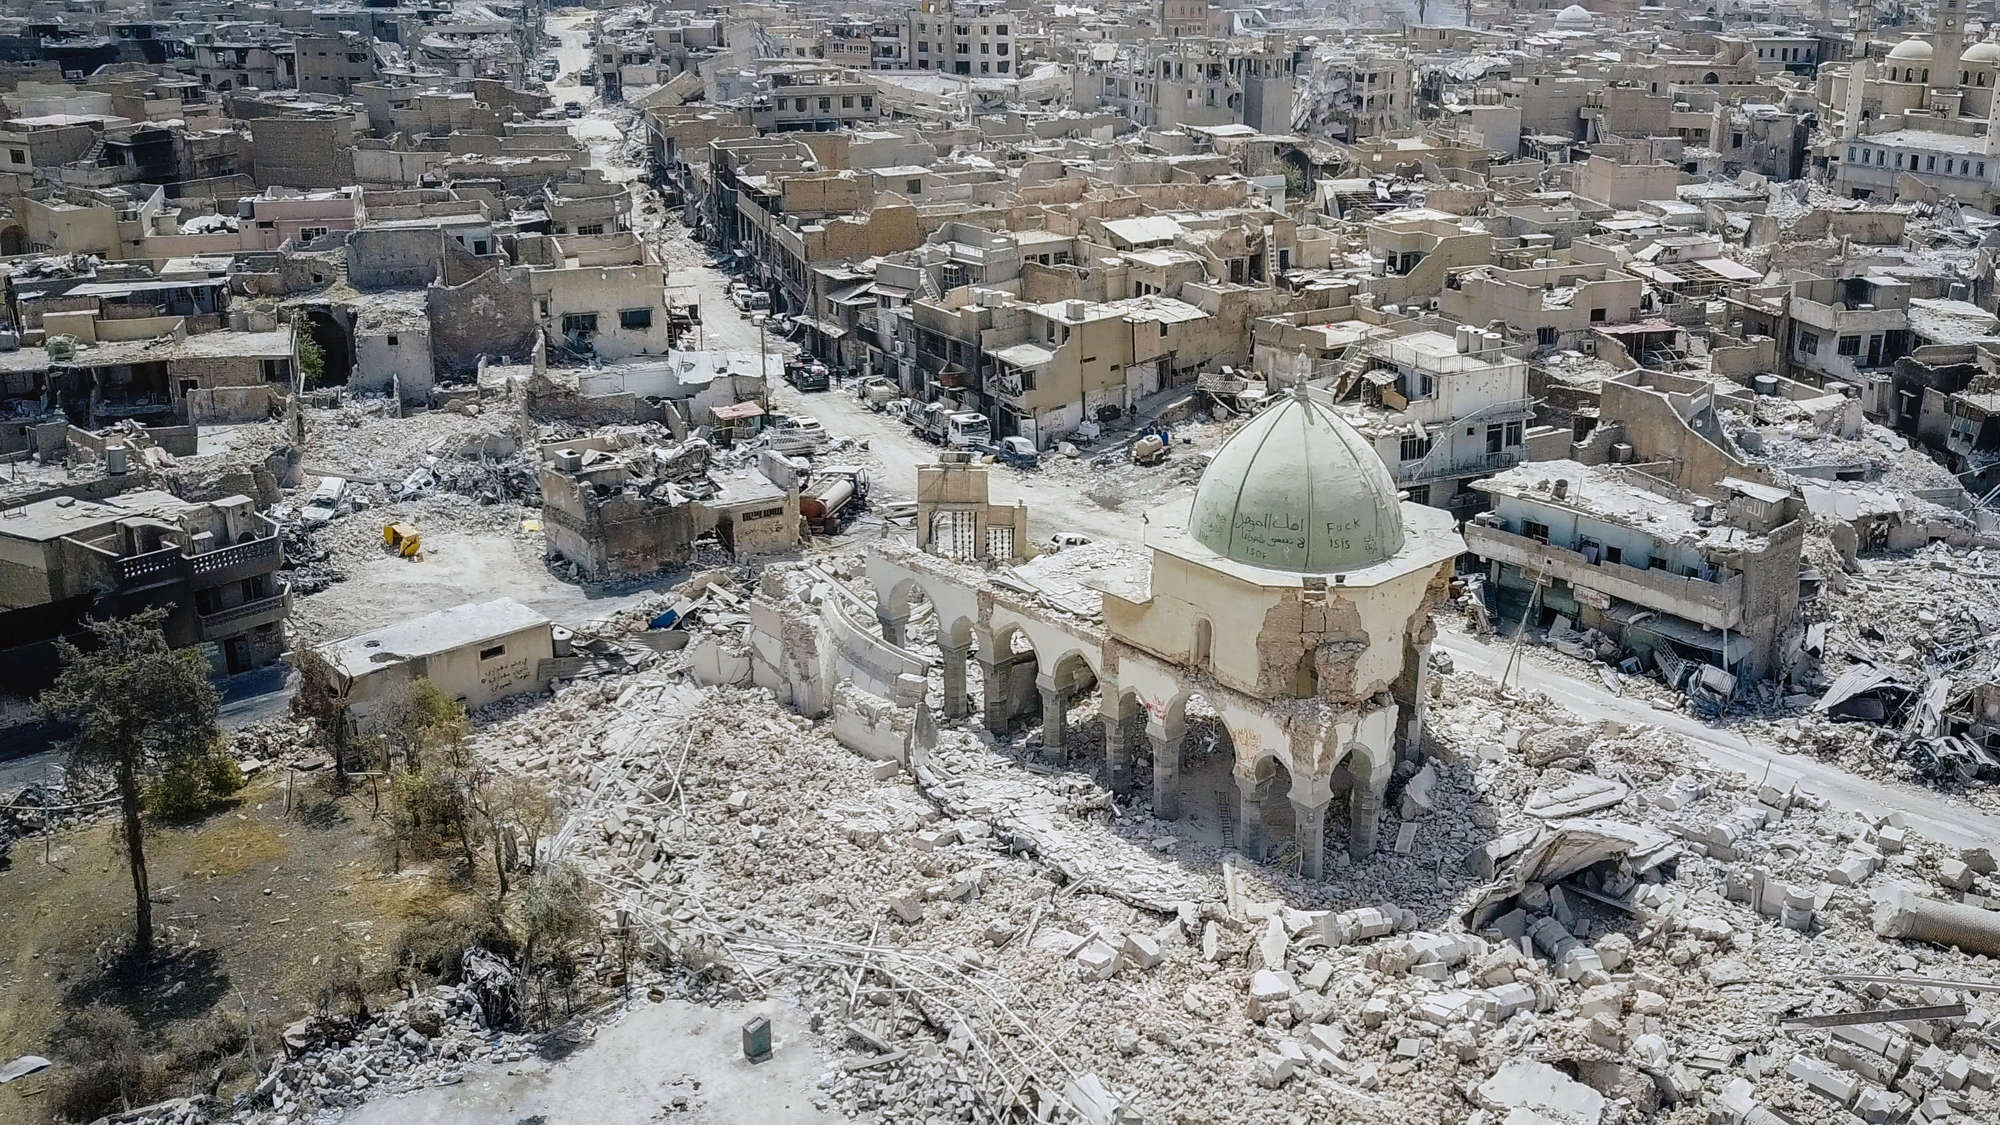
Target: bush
433, 946
194, 786
106, 1068
213, 1051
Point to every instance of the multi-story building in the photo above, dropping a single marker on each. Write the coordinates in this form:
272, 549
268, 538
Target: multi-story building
1443, 405
961, 38
213, 566
1674, 578
333, 64
235, 60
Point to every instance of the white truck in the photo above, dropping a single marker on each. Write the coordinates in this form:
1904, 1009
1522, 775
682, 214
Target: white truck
958, 429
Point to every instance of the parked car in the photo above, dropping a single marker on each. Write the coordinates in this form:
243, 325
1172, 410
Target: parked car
1062, 539
1017, 451
572, 109
876, 393
325, 502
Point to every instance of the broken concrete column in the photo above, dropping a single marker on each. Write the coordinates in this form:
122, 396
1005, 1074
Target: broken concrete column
1055, 713
995, 685
956, 705
1309, 827
1166, 772
1249, 819
1364, 818
895, 628
1901, 914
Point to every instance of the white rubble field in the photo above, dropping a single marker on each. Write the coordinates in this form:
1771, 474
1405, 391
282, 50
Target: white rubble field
980, 926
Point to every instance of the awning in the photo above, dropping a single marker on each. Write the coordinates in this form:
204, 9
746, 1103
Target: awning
824, 328
737, 412
1724, 268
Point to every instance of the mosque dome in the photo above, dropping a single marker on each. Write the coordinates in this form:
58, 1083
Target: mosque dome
1297, 489
1576, 15
1912, 49
1984, 53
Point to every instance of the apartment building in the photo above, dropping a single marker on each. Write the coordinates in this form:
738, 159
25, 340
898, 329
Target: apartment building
1443, 405
333, 64
599, 294
1678, 580
213, 566
961, 38
1555, 306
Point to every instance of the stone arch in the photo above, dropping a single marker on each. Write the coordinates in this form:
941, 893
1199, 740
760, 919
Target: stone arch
13, 240
1710, 79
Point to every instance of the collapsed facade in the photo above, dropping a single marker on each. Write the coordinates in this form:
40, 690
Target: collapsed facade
1295, 526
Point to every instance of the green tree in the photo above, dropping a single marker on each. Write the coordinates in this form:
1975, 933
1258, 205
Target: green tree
424, 719
312, 360
136, 709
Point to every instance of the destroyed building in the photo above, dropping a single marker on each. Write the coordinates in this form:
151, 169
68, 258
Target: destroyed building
1297, 518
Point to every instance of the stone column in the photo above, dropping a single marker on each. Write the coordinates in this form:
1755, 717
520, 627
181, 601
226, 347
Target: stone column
995, 675
1249, 819
1166, 772
1364, 815
1117, 751
1410, 746
1309, 827
895, 629
1055, 713
955, 703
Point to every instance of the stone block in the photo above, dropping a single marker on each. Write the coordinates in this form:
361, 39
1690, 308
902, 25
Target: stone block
1274, 1070
1956, 874
1271, 990
1097, 960
1823, 1079
1316, 975
908, 909
1141, 951
931, 839
1879, 1107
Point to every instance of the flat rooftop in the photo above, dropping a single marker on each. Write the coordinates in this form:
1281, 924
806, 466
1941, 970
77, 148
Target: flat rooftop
44, 520
444, 631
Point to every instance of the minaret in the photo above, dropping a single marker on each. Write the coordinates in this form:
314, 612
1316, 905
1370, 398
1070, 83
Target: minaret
1857, 68
1947, 42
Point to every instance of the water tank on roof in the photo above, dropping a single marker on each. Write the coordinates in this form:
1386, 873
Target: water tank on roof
1490, 342
117, 460
569, 460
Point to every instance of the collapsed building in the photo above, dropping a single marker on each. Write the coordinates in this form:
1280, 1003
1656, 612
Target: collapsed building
1295, 527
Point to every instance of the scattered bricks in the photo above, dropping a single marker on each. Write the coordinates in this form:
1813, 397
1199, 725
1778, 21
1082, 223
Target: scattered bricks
1980, 1076
1614, 950
1273, 944
1445, 1008
1957, 1073
1877, 1106
1363, 924
908, 909
1606, 1032
1891, 840
1822, 1079
1293, 1053
1579, 962
1645, 1003
1406, 838
1739, 886
1679, 1084
1776, 797
1271, 990
1798, 909
884, 770
1709, 928
1851, 870
1317, 975
1326, 1037
931, 839
1934, 1109
1502, 1002
1374, 1011
1417, 802
1431, 970
1462, 1042
1955, 874
1097, 960
1140, 951
1876, 1041
1410, 1047
1863, 1062
1274, 1070
738, 801
1602, 1000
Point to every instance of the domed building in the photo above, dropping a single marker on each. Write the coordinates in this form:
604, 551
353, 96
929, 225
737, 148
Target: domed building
1293, 596
1576, 17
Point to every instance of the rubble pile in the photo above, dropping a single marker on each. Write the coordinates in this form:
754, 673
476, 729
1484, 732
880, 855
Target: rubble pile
1585, 900
1911, 646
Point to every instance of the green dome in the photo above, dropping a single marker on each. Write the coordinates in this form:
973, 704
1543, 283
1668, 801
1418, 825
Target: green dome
1297, 489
